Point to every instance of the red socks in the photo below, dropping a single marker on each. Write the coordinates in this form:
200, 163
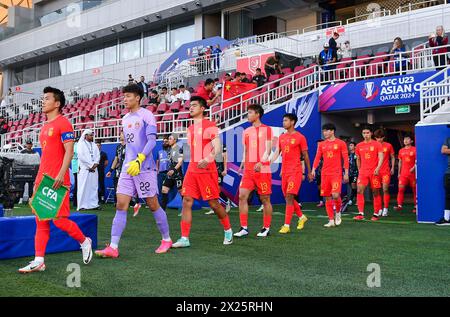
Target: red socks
297, 209
400, 196
360, 203
289, 214
41, 237
377, 204
267, 220
243, 219
71, 228
185, 229
329, 209
226, 223
338, 204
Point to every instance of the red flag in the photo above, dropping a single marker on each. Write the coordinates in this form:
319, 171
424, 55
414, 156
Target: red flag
233, 89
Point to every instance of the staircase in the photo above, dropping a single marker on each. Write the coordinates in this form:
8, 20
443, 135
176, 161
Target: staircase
435, 99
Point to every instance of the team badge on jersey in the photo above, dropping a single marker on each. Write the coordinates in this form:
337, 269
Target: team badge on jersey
50, 132
372, 148
137, 125
292, 141
130, 126
335, 146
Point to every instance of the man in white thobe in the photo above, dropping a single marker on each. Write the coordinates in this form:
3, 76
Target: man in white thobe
88, 160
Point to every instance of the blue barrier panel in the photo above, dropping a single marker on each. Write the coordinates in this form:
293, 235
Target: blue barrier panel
17, 235
431, 166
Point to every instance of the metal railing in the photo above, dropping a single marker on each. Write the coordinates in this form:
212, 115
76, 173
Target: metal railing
435, 96
369, 16
419, 5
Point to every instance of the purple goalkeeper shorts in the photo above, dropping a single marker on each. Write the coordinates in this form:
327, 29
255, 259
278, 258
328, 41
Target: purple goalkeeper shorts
145, 185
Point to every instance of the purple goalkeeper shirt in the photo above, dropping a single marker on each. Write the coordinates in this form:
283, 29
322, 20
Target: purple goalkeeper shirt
137, 127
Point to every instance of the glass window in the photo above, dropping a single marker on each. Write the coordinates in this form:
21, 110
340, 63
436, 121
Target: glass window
29, 74
93, 59
75, 64
42, 70
58, 66
155, 43
17, 77
130, 48
181, 35
110, 53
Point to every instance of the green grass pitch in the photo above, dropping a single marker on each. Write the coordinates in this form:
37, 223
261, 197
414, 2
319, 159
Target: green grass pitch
414, 260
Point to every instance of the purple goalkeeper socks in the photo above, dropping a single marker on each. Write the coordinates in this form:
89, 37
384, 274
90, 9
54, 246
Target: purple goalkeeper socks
161, 222
118, 225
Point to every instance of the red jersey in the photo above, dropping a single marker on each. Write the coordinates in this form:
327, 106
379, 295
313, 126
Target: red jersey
408, 158
52, 138
255, 140
388, 151
291, 147
368, 153
202, 92
200, 136
334, 153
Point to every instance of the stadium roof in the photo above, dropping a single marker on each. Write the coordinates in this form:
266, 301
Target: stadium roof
5, 4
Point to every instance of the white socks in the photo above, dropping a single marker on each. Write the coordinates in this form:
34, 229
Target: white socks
39, 259
447, 215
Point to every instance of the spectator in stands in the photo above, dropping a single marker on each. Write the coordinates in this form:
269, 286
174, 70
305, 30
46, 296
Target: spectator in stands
400, 58
439, 41
345, 51
244, 78
101, 172
173, 95
216, 52
237, 77
131, 79
28, 148
206, 92
10, 96
184, 94
143, 86
327, 57
332, 41
227, 77
259, 78
273, 65
208, 53
154, 98
164, 96
217, 85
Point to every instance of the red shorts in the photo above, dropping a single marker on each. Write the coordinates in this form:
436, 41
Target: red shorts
366, 179
406, 180
261, 181
291, 182
201, 185
65, 206
385, 178
330, 184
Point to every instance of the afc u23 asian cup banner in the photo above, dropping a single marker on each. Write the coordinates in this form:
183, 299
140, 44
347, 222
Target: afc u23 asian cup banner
375, 92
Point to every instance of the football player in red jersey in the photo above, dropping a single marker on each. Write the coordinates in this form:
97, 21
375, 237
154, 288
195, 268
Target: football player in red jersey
257, 142
386, 171
57, 139
406, 172
369, 157
292, 145
334, 153
201, 179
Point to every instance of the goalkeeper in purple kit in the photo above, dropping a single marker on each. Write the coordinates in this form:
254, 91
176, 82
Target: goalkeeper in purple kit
139, 175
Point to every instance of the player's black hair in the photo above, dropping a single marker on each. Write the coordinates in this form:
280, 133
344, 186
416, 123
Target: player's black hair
164, 88
58, 95
367, 127
352, 142
257, 108
291, 116
209, 81
133, 89
181, 86
379, 133
237, 74
258, 69
200, 100
329, 126
409, 135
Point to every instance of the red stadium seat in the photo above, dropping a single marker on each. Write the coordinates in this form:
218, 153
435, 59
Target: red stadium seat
175, 107
162, 108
